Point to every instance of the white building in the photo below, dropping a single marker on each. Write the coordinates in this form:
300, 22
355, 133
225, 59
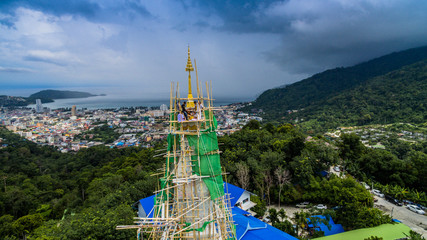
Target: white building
39, 106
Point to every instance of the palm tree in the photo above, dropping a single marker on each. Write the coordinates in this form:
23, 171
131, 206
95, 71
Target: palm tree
300, 220
282, 214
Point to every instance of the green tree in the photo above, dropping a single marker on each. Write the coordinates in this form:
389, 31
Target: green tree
26, 224
260, 207
253, 125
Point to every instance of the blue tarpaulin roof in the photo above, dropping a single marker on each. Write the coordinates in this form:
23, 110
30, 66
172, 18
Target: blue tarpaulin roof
148, 204
247, 226
335, 228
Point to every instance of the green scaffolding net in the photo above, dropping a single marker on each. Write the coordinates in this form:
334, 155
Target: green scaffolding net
206, 157
207, 161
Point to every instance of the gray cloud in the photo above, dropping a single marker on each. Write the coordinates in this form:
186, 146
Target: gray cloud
337, 33
245, 47
56, 58
14, 70
104, 11
74, 7
316, 35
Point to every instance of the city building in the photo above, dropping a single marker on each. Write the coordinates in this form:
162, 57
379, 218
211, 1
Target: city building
39, 106
163, 107
73, 110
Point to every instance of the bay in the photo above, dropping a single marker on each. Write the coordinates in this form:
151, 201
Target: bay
107, 102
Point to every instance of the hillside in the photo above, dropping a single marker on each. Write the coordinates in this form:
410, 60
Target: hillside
323, 86
398, 96
56, 94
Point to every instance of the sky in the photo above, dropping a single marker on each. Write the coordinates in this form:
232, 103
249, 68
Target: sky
137, 48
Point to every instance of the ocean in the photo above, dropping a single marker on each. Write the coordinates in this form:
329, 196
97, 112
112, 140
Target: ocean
103, 102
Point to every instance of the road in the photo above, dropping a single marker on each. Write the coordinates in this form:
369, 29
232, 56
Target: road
415, 221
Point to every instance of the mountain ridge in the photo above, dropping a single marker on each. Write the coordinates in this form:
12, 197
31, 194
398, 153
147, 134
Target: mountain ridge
309, 95
321, 85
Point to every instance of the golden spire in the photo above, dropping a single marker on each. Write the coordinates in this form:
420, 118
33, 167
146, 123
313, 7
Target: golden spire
189, 68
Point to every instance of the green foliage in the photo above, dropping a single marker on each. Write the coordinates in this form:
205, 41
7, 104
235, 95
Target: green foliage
353, 216
286, 226
415, 236
27, 224
337, 191
374, 238
253, 125
91, 191
383, 166
50, 195
260, 207
6, 227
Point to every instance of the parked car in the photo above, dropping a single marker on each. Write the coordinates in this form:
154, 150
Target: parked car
422, 207
407, 202
377, 193
302, 205
266, 220
393, 200
416, 209
336, 169
366, 186
321, 206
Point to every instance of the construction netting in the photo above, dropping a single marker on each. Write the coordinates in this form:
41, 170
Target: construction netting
205, 155
207, 162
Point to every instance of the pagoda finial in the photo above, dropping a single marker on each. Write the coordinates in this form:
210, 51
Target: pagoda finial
189, 68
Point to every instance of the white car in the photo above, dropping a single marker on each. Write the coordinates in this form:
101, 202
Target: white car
366, 186
336, 169
302, 205
321, 206
416, 209
377, 193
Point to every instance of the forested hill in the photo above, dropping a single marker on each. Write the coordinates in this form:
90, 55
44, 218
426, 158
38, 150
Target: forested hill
398, 96
57, 94
321, 87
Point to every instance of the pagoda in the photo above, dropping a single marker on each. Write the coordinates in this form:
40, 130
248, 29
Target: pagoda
190, 202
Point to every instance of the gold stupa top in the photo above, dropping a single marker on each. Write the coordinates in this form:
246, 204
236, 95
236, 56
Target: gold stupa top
189, 68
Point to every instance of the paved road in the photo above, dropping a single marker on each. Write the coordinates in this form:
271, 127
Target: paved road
415, 221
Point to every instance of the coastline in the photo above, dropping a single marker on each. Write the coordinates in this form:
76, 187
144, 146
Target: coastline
106, 102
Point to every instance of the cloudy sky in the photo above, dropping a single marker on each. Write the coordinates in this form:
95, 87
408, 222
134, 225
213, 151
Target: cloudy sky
136, 48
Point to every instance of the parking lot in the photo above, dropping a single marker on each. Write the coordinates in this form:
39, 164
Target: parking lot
413, 220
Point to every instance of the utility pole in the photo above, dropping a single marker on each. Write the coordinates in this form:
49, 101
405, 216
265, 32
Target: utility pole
391, 215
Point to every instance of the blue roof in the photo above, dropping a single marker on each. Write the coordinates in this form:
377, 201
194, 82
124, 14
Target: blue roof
148, 204
335, 228
247, 226
234, 191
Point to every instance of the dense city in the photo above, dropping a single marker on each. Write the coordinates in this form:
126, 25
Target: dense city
71, 129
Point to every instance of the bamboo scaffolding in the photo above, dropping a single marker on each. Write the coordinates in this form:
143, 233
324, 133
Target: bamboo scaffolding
184, 208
